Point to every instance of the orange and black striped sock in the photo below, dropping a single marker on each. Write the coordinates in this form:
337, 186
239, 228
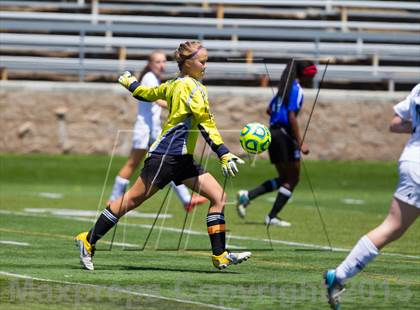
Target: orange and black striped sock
216, 230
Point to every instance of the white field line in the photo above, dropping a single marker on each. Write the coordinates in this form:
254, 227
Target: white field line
50, 195
352, 201
206, 162
108, 170
14, 243
87, 213
198, 233
123, 244
116, 289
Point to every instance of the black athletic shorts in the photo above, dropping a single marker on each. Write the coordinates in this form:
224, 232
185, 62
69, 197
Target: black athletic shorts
283, 147
159, 170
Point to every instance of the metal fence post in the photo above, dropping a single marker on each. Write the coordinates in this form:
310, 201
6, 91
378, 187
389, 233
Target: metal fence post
82, 56
328, 5
95, 11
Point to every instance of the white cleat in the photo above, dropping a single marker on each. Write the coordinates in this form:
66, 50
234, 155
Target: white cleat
276, 222
242, 201
86, 251
228, 258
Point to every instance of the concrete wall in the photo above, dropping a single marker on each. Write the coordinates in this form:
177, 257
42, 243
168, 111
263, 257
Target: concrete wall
50, 117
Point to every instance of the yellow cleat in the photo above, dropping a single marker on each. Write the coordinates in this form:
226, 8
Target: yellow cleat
228, 258
86, 250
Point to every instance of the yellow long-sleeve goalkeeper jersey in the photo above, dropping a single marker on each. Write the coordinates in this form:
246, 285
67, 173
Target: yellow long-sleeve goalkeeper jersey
189, 113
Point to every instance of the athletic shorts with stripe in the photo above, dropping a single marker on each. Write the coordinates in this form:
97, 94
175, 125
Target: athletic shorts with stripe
159, 170
283, 147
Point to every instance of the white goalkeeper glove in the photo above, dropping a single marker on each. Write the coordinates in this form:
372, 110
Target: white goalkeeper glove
228, 162
126, 79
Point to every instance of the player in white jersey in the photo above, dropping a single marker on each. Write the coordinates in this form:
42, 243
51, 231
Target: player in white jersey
405, 205
146, 130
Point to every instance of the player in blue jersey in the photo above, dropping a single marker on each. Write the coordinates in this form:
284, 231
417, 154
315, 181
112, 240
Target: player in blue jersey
286, 144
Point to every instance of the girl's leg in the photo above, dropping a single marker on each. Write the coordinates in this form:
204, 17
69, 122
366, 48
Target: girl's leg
207, 186
290, 172
138, 193
244, 197
123, 177
182, 192
400, 217
266, 187
133, 161
188, 201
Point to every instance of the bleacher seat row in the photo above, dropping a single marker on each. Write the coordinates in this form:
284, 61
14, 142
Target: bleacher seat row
88, 38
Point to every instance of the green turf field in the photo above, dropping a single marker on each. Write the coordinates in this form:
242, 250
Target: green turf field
44, 202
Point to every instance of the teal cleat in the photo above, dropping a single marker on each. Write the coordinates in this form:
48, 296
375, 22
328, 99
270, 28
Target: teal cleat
334, 289
242, 201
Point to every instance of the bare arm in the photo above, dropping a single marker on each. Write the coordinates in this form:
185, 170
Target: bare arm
399, 125
296, 132
162, 103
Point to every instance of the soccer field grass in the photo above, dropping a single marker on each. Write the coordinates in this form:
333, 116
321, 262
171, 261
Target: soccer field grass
46, 200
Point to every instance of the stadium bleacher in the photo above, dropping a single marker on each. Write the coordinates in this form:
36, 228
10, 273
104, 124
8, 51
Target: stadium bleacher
374, 42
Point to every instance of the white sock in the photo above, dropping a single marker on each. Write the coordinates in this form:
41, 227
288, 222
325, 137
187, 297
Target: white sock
182, 193
362, 253
120, 185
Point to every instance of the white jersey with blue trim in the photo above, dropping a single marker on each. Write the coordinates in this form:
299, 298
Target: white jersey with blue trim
148, 113
409, 110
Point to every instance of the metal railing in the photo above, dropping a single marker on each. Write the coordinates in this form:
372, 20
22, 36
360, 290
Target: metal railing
299, 38
273, 48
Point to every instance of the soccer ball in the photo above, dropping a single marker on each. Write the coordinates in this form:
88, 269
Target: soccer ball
255, 138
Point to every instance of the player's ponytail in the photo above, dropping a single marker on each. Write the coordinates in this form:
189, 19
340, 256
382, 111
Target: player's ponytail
186, 50
286, 81
294, 69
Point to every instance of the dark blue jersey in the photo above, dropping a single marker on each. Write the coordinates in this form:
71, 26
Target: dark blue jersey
280, 111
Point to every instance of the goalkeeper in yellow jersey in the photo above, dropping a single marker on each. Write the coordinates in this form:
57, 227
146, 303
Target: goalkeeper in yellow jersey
170, 157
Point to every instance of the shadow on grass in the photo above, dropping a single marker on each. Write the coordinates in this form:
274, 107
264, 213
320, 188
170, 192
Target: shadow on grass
260, 223
150, 268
